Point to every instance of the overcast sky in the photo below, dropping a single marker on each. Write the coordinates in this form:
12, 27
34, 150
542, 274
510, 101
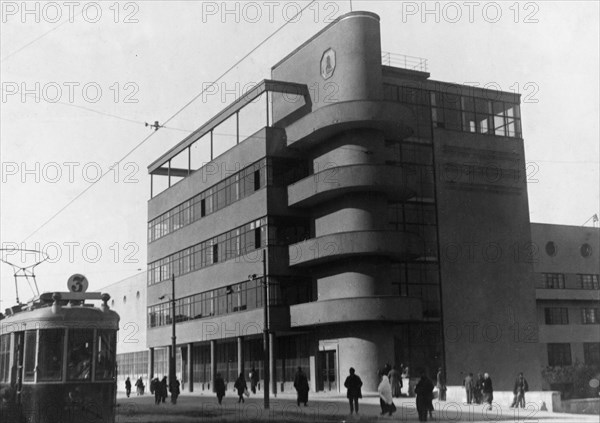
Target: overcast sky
100, 70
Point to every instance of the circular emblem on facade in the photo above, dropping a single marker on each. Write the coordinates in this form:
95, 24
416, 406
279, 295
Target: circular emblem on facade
551, 248
586, 250
328, 63
77, 283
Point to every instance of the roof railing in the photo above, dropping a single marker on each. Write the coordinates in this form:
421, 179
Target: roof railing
403, 61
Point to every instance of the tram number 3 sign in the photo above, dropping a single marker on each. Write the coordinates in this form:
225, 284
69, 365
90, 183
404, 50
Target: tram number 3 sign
77, 283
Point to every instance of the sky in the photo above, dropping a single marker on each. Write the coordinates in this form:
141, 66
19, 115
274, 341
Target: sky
81, 79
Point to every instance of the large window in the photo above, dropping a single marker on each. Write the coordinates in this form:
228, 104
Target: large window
105, 354
590, 316
50, 359
30, 354
554, 280
451, 110
591, 353
588, 281
557, 315
559, 354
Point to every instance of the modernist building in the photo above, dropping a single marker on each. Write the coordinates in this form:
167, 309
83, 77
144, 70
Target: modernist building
392, 211
567, 269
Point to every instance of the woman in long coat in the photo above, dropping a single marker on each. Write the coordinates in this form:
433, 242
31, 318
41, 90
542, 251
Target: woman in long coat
301, 385
424, 391
385, 396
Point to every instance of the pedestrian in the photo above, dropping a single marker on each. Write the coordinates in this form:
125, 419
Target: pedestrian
468, 383
385, 395
521, 386
219, 387
424, 391
163, 389
139, 386
487, 390
353, 384
301, 385
127, 386
174, 390
478, 392
396, 382
241, 387
441, 385
155, 389
253, 380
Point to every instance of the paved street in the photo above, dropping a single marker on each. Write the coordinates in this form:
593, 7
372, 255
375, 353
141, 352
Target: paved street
322, 408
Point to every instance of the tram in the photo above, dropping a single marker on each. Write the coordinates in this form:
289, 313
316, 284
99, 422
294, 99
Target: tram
58, 358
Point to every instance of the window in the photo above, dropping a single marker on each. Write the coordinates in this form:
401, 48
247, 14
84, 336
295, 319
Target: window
551, 248
50, 357
554, 280
559, 354
586, 250
589, 316
80, 354
30, 350
105, 365
588, 281
557, 316
591, 353
4, 358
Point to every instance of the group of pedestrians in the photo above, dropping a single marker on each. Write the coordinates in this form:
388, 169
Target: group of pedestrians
139, 385
480, 390
160, 389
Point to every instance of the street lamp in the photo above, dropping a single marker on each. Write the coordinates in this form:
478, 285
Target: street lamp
265, 286
172, 364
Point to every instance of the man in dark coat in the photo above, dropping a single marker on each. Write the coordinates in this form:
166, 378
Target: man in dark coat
253, 380
301, 385
219, 387
353, 384
174, 390
488, 390
469, 385
521, 386
424, 391
128, 387
163, 389
155, 389
478, 391
241, 387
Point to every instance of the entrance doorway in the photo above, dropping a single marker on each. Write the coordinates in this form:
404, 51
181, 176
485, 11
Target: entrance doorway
327, 376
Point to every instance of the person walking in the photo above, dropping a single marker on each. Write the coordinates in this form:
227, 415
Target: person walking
301, 385
424, 391
219, 387
441, 385
127, 386
155, 389
396, 382
163, 389
241, 387
353, 385
521, 386
253, 380
487, 390
174, 390
139, 386
385, 395
468, 383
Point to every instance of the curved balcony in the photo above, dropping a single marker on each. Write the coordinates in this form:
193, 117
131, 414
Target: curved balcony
341, 245
340, 180
359, 309
394, 118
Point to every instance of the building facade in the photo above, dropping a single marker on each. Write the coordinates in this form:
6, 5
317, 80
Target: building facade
567, 269
390, 209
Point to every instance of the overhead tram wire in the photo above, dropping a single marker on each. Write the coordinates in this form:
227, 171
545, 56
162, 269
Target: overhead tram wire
143, 141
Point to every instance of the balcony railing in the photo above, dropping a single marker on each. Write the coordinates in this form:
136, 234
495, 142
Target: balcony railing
403, 61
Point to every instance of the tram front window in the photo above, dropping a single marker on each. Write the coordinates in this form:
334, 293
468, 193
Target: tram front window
105, 356
50, 357
80, 354
30, 346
